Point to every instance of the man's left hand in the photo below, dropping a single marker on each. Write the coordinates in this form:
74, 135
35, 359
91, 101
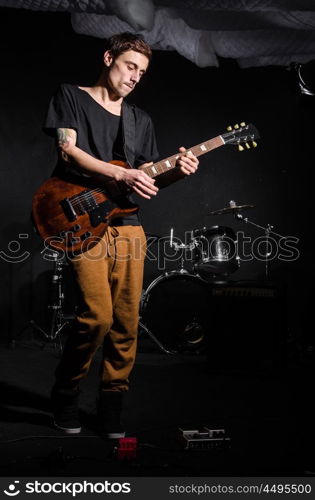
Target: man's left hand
188, 163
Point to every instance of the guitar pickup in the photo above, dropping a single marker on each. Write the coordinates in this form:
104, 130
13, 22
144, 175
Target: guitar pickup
68, 209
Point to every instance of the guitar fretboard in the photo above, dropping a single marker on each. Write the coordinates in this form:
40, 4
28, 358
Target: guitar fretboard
169, 163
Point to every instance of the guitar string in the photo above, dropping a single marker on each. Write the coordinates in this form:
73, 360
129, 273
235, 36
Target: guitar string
82, 197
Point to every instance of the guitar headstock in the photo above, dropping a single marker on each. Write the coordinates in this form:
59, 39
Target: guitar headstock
241, 134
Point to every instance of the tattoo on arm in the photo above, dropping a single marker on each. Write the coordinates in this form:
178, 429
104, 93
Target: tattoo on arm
63, 136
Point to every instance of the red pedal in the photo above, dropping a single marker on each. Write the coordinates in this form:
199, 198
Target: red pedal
127, 448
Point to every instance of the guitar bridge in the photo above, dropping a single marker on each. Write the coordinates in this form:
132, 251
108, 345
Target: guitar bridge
79, 205
68, 209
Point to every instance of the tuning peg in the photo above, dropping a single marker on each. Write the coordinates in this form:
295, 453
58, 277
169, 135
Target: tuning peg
254, 144
229, 128
243, 124
236, 126
240, 147
247, 145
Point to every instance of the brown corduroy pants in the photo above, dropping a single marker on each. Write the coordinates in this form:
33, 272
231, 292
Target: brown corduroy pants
110, 278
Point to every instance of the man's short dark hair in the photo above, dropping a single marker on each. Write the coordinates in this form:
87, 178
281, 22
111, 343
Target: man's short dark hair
118, 44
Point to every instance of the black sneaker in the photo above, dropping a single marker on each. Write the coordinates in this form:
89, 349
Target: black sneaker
66, 412
109, 409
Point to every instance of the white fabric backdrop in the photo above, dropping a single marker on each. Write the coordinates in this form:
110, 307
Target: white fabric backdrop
256, 33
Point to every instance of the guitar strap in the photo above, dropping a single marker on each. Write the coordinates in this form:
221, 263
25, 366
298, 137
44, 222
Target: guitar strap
129, 132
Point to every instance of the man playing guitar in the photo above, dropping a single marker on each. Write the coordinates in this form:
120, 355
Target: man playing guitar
94, 125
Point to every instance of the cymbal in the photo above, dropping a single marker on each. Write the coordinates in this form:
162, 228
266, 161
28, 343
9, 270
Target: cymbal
231, 210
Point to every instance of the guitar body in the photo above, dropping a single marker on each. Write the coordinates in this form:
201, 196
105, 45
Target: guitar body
72, 213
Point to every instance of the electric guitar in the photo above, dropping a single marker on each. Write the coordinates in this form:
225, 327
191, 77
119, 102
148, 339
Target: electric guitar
72, 213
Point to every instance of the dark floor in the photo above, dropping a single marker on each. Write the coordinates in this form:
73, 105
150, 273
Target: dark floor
265, 410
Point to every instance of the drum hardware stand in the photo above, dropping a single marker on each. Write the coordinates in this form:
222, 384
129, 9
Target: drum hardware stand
235, 209
182, 246
59, 320
267, 230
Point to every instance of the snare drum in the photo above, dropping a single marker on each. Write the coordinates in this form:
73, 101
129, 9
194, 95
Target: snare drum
175, 309
215, 251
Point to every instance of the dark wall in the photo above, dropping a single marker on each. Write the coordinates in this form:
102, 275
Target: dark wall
188, 105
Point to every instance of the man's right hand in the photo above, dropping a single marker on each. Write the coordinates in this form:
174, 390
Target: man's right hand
138, 181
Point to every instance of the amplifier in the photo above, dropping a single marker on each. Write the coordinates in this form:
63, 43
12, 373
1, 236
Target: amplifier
246, 324
243, 291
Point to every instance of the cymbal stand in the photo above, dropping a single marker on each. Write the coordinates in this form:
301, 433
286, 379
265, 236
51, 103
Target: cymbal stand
59, 320
267, 230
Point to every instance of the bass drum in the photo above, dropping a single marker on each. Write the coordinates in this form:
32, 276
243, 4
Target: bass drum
174, 308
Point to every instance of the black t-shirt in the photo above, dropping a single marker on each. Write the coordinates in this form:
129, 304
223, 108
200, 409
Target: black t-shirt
99, 132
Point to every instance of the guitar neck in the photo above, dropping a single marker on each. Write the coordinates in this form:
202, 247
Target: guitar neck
169, 163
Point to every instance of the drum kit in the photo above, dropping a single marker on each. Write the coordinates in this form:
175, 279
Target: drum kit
174, 310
